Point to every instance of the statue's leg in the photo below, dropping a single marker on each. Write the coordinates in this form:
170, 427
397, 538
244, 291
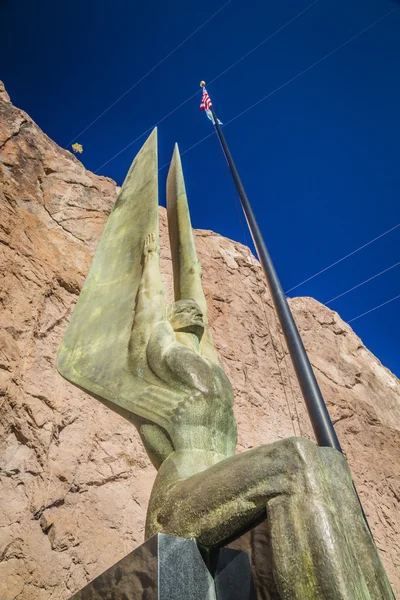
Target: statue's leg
321, 546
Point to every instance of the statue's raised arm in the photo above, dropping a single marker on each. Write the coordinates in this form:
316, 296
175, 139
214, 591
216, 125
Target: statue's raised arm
104, 347
123, 344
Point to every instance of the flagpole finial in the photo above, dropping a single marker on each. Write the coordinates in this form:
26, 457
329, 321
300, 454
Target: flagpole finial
202, 83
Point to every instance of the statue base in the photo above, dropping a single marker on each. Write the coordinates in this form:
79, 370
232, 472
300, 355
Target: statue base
171, 568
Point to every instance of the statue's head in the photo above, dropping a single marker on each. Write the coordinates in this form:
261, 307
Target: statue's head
186, 316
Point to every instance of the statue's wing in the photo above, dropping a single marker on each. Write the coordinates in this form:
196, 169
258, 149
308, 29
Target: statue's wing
94, 353
163, 405
154, 403
187, 269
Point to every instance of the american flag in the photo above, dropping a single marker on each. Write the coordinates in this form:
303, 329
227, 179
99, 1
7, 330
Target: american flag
205, 101
206, 105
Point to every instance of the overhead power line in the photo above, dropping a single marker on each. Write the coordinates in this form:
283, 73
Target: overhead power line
373, 309
149, 72
293, 79
144, 132
343, 258
196, 93
262, 43
317, 62
362, 283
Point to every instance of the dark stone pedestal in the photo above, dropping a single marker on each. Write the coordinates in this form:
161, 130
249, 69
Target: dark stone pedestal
171, 568
233, 577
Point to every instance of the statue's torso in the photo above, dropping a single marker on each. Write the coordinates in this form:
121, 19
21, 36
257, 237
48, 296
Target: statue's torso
203, 430
203, 418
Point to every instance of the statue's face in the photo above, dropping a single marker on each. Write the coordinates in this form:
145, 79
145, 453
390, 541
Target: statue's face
186, 316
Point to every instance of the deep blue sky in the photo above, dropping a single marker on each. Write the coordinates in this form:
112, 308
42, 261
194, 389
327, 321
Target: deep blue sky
319, 158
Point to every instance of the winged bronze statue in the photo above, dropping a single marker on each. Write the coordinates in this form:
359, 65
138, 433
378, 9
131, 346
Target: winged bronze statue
156, 365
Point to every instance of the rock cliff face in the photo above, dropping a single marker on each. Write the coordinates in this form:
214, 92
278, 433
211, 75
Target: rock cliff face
75, 480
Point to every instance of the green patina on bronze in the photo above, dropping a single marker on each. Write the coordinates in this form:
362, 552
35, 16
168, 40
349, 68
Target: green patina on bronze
157, 366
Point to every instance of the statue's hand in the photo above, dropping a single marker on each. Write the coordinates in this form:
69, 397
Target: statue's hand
151, 245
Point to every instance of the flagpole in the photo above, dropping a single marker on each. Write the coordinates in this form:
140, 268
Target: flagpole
321, 422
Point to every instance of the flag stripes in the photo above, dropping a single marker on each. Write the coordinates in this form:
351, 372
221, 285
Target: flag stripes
205, 101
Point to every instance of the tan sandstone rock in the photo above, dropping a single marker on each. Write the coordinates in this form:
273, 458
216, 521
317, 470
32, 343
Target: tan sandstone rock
75, 480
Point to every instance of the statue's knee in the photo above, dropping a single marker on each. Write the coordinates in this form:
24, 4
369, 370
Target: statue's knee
306, 464
309, 454
301, 450
316, 466
337, 465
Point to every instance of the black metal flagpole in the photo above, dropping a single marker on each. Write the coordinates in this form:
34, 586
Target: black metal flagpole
321, 422
322, 425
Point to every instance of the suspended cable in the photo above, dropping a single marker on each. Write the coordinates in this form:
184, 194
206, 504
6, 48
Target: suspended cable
287, 83
262, 43
196, 93
317, 62
149, 72
362, 283
375, 308
147, 131
343, 258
